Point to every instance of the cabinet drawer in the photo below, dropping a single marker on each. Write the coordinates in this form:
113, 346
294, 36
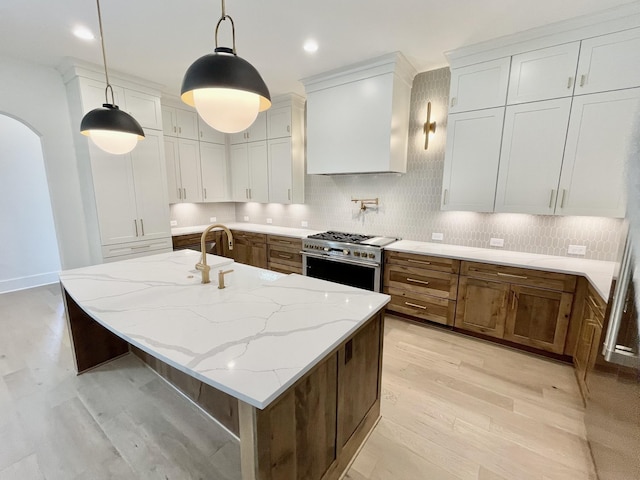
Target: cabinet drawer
426, 307
286, 269
137, 248
181, 241
425, 261
248, 237
285, 256
596, 302
520, 276
285, 241
421, 281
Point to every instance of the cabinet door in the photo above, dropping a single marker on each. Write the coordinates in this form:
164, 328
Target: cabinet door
471, 161
187, 124
280, 171
543, 74
239, 173
279, 122
115, 196
538, 318
189, 154
258, 172
609, 62
482, 306
151, 187
172, 164
483, 85
169, 121
531, 156
208, 134
598, 144
258, 129
213, 163
144, 108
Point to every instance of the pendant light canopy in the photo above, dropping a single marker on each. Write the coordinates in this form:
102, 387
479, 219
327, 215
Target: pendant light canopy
226, 90
111, 129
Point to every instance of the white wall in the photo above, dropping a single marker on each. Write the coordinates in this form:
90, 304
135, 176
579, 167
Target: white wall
29, 254
36, 96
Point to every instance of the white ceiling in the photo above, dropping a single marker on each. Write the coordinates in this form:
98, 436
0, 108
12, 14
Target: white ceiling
159, 39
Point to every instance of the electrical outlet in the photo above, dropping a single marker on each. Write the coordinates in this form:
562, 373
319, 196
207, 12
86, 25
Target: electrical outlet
174, 223
577, 250
304, 223
437, 236
246, 218
269, 221
496, 242
213, 219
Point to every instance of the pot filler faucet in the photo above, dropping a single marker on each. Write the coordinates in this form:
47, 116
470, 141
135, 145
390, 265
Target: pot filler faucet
202, 264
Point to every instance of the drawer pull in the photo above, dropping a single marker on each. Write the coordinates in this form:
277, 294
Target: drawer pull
511, 275
422, 262
289, 257
595, 304
570, 82
415, 305
413, 280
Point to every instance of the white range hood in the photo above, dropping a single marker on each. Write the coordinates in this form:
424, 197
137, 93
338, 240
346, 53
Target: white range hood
358, 117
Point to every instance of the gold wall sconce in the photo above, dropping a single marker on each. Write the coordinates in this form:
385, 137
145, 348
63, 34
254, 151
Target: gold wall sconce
429, 126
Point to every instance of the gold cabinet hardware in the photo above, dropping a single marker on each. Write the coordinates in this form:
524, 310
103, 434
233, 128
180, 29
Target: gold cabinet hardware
570, 82
583, 80
288, 257
180, 193
446, 196
135, 222
142, 227
511, 275
413, 280
564, 195
205, 193
454, 100
551, 198
421, 262
415, 305
289, 194
184, 192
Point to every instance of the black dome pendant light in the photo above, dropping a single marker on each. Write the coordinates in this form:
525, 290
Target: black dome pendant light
111, 129
226, 90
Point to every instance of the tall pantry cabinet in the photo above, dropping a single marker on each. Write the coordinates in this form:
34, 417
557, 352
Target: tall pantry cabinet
125, 196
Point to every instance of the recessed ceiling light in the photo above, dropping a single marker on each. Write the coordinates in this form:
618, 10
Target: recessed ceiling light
83, 33
310, 46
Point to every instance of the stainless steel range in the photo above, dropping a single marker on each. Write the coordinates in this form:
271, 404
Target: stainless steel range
348, 258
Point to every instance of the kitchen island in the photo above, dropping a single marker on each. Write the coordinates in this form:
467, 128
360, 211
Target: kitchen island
290, 364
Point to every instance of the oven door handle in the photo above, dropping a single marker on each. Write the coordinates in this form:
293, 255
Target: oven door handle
342, 260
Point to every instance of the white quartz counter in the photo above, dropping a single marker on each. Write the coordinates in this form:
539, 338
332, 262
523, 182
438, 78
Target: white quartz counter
252, 340
598, 273
251, 227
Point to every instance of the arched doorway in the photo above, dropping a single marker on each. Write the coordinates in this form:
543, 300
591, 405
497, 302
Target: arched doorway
29, 255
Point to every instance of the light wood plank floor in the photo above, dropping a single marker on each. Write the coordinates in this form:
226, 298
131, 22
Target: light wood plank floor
453, 408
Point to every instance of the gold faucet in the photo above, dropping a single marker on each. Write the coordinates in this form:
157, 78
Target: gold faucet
221, 274
202, 264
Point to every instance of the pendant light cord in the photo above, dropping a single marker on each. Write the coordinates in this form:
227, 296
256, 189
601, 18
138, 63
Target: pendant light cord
104, 59
233, 27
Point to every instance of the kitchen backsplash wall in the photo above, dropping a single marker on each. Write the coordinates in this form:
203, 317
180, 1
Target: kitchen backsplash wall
410, 203
190, 214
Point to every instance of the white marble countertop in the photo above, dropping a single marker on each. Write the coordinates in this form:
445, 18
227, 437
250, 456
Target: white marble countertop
252, 340
599, 273
251, 227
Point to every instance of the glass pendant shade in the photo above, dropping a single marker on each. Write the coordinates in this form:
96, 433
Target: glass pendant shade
226, 90
111, 129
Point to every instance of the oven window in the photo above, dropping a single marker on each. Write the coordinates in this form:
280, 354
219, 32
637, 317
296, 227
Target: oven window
345, 273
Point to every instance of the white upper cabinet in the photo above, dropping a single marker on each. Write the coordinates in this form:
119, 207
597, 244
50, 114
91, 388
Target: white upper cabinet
177, 122
543, 74
531, 156
598, 143
249, 172
208, 134
471, 160
144, 108
213, 164
182, 157
239, 162
286, 175
609, 62
93, 95
483, 85
255, 133
279, 122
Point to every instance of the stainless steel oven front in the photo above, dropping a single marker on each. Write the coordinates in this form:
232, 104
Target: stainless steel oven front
333, 268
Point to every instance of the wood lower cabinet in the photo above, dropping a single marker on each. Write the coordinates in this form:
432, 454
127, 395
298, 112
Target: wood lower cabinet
250, 248
283, 254
422, 286
527, 307
586, 350
482, 306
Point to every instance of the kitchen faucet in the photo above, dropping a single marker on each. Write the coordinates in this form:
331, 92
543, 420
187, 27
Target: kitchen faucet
202, 264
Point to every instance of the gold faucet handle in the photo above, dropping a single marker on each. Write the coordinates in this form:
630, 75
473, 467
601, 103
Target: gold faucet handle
221, 274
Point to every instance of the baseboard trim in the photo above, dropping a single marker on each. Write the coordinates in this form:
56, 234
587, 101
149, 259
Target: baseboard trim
23, 283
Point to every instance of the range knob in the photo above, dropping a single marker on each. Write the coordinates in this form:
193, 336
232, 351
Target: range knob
372, 255
326, 249
345, 252
357, 254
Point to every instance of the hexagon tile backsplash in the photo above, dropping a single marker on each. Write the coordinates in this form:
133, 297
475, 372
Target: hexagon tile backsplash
410, 203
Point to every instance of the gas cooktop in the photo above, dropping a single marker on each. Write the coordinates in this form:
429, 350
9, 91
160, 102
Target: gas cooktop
340, 237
